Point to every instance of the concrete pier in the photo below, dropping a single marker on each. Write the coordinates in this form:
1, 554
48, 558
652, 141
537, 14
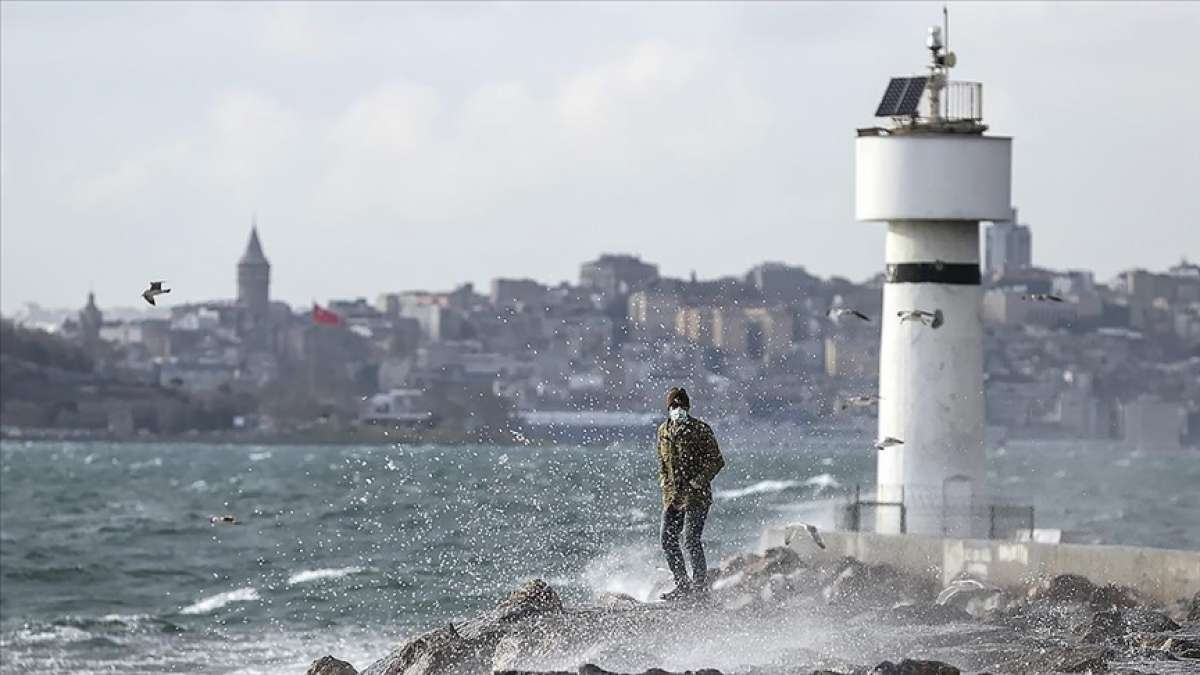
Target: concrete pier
1162, 575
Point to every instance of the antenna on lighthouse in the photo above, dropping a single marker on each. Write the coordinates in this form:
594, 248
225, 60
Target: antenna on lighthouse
946, 25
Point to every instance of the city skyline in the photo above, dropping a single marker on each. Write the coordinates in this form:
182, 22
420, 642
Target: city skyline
387, 149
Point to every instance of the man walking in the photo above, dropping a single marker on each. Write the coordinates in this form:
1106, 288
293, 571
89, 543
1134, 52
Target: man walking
688, 460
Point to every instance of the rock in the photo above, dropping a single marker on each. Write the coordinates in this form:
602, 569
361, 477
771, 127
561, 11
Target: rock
327, 665
590, 669
438, 651
924, 615
1181, 647
1194, 610
913, 667
535, 597
1140, 620
1065, 659
1112, 595
1104, 626
1066, 588
778, 560
737, 563
618, 601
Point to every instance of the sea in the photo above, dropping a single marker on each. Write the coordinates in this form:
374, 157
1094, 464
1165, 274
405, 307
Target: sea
109, 561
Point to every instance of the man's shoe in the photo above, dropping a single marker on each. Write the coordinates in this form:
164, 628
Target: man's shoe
681, 591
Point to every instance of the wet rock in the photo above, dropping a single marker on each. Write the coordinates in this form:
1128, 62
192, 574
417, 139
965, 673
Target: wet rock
1104, 627
439, 651
618, 601
327, 665
1194, 610
459, 649
778, 560
1065, 588
924, 615
535, 597
737, 563
1140, 620
1112, 595
1065, 659
1145, 654
1184, 648
913, 667
590, 669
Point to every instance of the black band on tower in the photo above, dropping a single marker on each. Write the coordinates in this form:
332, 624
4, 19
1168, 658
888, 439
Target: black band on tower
962, 274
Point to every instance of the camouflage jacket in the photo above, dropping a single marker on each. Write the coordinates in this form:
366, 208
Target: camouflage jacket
688, 460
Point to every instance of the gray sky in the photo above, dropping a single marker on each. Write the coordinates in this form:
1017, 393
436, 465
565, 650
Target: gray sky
391, 146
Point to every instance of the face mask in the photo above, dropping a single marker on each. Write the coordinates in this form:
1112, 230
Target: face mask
678, 414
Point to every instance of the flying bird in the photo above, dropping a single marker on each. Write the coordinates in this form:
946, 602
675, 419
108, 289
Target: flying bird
887, 442
812, 532
962, 591
932, 319
837, 313
1042, 297
155, 289
858, 401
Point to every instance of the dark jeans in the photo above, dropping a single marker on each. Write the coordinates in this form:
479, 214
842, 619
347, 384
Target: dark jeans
690, 523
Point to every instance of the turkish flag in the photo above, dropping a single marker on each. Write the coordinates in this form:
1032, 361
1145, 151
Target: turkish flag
324, 316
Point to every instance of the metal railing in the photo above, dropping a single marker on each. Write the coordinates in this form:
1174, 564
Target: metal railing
960, 101
867, 513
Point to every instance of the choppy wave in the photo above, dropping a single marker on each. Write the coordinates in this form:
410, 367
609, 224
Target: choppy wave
246, 594
306, 576
630, 570
757, 488
823, 481
51, 634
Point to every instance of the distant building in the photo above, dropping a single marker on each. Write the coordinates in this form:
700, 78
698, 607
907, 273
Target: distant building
781, 283
253, 293
616, 275
518, 294
652, 313
1008, 247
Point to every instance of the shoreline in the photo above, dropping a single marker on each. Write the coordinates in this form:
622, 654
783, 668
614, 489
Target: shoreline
776, 614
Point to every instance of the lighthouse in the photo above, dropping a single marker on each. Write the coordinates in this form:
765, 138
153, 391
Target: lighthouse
930, 172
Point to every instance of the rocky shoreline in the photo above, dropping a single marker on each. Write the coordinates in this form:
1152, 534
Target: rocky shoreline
775, 614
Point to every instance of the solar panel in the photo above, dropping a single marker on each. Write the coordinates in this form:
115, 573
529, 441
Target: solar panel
891, 96
902, 96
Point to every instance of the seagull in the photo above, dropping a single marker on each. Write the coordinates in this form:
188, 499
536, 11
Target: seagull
222, 520
1042, 297
933, 319
836, 313
858, 401
963, 590
155, 289
812, 532
887, 442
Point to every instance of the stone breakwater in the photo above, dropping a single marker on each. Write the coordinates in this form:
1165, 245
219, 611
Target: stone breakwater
776, 614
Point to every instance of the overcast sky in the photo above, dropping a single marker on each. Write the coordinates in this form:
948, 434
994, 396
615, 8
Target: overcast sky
393, 146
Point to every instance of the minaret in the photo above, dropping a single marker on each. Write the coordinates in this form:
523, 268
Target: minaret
932, 175
90, 321
253, 288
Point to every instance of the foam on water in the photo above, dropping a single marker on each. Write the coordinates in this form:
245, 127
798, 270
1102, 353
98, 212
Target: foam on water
306, 576
246, 594
823, 481
760, 487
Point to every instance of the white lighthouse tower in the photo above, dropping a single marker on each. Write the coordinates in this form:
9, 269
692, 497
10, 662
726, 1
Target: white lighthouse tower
931, 174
